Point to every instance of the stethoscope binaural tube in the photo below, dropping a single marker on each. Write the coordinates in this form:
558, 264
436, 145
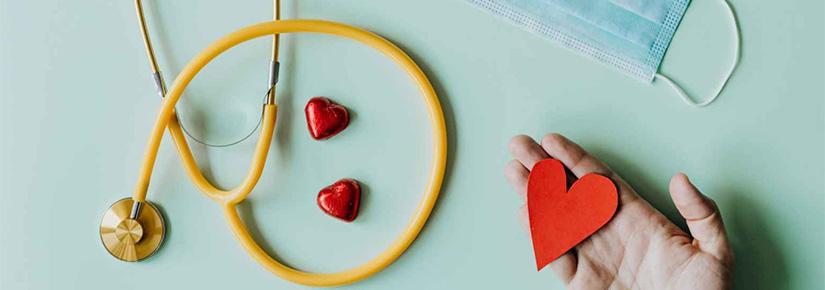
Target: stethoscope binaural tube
228, 199
160, 84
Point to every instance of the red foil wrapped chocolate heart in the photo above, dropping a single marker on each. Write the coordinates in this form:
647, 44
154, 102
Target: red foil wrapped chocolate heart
341, 199
325, 118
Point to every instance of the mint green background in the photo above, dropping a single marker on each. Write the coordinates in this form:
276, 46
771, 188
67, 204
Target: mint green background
77, 103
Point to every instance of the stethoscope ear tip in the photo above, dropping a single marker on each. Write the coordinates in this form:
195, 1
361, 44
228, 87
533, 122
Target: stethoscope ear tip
132, 231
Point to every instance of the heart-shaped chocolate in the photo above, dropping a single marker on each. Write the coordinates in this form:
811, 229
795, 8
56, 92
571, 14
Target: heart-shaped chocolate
341, 199
560, 218
325, 118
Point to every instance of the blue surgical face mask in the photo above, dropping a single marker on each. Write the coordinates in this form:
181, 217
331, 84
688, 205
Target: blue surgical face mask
629, 35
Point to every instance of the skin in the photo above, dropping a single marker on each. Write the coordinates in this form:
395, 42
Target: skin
639, 248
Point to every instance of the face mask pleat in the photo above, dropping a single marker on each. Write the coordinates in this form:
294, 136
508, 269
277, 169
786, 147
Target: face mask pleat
653, 10
623, 24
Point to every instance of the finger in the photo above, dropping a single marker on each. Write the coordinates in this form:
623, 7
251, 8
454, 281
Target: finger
517, 176
527, 151
581, 163
573, 156
565, 265
702, 215
524, 219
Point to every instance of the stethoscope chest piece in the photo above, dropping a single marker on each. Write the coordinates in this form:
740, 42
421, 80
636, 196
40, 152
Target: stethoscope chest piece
132, 231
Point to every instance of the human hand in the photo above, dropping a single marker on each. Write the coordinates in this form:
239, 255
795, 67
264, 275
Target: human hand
639, 248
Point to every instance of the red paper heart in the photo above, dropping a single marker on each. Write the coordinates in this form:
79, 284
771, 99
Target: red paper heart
560, 218
341, 199
325, 118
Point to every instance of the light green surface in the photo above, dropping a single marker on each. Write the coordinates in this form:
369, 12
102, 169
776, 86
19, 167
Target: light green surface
77, 103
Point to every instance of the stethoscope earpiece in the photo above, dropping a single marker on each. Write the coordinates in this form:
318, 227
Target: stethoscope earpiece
132, 231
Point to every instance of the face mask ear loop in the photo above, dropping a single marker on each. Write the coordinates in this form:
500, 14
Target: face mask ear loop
681, 92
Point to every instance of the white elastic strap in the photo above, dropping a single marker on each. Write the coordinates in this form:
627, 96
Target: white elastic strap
681, 92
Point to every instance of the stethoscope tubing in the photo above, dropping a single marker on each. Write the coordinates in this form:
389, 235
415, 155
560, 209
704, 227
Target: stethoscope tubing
229, 198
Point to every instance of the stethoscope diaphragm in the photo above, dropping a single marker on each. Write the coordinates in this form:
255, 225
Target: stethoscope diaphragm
132, 232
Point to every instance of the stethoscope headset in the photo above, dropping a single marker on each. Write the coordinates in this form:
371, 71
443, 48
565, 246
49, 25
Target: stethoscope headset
133, 228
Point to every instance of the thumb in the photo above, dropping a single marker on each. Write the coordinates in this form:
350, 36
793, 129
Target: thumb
702, 215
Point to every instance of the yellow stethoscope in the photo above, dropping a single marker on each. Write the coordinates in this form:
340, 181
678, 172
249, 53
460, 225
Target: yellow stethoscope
133, 228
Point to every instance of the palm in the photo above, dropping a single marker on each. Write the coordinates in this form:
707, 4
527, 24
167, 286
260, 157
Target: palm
639, 248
